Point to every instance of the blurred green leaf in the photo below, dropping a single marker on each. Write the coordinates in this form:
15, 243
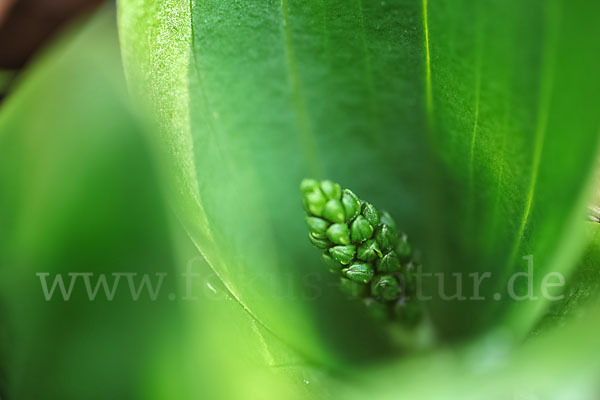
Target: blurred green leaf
78, 194
557, 365
582, 290
556, 361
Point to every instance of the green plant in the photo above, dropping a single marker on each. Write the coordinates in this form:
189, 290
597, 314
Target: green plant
474, 124
451, 115
362, 245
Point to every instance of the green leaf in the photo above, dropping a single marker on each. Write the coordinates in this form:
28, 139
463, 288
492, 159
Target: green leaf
80, 194
473, 124
552, 366
505, 84
376, 96
582, 289
244, 117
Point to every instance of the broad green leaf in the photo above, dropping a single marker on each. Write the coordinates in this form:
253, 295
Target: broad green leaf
246, 112
512, 93
473, 124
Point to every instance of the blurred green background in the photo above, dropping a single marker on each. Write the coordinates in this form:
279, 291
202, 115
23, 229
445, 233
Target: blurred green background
474, 124
81, 193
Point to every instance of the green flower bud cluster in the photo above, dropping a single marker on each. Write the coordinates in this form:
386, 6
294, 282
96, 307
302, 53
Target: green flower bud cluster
362, 245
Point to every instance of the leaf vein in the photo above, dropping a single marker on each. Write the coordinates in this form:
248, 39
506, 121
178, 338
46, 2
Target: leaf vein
306, 134
428, 87
545, 96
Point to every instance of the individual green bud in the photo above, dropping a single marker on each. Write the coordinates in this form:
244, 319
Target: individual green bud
351, 204
334, 211
343, 254
369, 251
377, 310
316, 201
403, 248
361, 229
320, 243
317, 227
332, 263
386, 288
352, 288
305, 206
308, 185
386, 219
359, 272
339, 234
332, 190
370, 213
389, 263
386, 237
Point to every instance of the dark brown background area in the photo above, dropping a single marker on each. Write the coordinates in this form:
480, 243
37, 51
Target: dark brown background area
26, 25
